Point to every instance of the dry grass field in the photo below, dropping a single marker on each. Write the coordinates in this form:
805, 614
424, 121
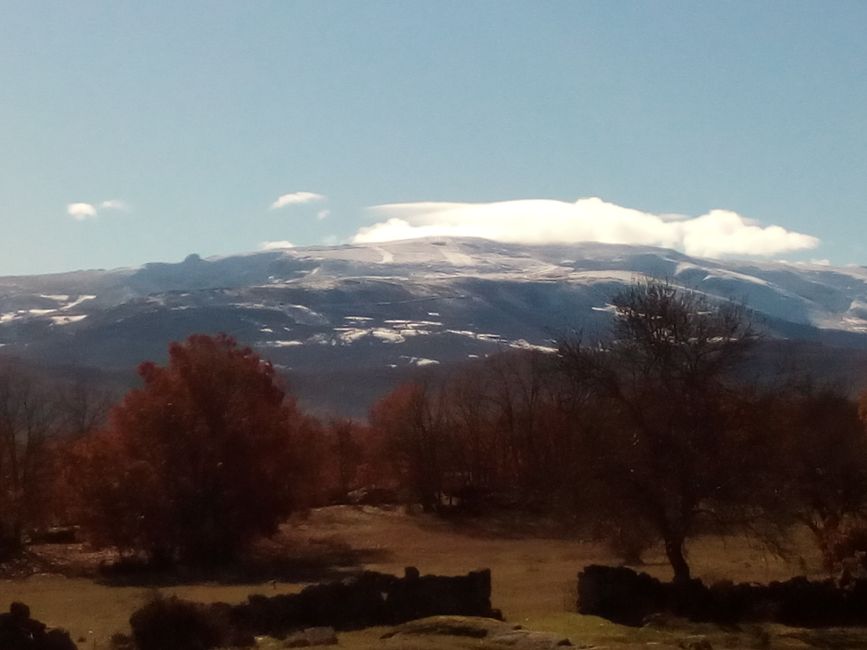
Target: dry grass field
534, 578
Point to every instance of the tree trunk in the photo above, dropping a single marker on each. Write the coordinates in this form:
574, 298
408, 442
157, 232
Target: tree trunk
674, 553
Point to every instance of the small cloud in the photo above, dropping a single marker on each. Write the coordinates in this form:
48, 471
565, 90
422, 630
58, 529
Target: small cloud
81, 211
296, 198
275, 245
331, 240
323, 214
715, 234
114, 204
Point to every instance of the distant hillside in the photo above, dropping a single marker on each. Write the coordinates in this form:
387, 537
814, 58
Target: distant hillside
346, 322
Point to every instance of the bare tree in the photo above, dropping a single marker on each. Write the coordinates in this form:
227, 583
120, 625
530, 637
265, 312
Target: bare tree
672, 446
821, 474
347, 453
411, 419
27, 421
83, 406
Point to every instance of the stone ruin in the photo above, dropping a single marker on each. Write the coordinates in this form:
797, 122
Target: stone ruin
627, 597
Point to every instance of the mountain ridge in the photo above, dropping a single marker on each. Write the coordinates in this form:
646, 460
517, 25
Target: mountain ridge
388, 308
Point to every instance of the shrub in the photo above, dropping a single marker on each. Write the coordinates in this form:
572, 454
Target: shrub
848, 542
18, 631
175, 624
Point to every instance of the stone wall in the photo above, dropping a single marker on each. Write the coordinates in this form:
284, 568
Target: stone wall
366, 600
363, 600
624, 596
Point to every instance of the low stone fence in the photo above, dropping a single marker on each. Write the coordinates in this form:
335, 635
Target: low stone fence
366, 600
360, 601
624, 596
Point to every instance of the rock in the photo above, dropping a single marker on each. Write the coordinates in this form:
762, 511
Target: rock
121, 641
493, 631
659, 620
320, 636
295, 640
655, 645
696, 642
530, 640
468, 626
312, 636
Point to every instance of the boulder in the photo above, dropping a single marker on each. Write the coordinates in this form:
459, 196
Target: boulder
467, 626
530, 640
490, 632
696, 642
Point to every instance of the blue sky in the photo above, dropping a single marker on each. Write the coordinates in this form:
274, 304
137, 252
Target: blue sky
180, 124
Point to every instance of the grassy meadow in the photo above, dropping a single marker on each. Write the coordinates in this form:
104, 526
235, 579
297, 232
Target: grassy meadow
534, 579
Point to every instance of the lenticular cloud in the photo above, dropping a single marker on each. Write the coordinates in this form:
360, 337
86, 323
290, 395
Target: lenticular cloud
715, 234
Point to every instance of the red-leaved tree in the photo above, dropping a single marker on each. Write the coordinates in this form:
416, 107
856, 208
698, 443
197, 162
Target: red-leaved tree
198, 461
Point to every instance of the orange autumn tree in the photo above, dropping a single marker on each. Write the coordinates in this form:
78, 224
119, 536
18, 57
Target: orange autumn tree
411, 422
197, 462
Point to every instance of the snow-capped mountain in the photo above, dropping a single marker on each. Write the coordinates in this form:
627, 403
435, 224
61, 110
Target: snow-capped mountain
329, 313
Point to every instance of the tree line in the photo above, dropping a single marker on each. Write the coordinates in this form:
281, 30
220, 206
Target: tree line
651, 435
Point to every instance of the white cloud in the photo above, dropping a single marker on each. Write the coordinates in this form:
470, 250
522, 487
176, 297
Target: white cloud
296, 198
83, 211
323, 214
715, 234
114, 204
275, 245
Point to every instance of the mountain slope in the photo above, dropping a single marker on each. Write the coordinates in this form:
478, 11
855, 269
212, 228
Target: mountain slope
378, 310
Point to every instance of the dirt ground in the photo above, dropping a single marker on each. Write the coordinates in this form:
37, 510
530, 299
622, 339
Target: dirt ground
534, 578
